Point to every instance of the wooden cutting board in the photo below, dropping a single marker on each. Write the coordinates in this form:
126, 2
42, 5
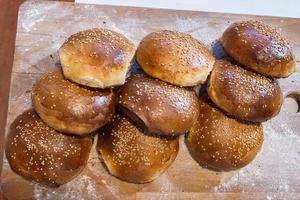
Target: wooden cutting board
42, 28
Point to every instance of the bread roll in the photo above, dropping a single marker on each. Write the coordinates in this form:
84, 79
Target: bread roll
70, 108
39, 153
96, 58
243, 94
221, 143
131, 155
259, 47
159, 107
175, 57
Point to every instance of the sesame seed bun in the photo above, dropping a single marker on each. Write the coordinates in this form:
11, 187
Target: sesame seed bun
221, 143
159, 107
96, 58
175, 57
39, 153
244, 94
70, 108
132, 155
259, 47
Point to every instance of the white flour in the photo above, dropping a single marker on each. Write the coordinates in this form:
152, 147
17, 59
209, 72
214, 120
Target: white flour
280, 153
81, 188
35, 14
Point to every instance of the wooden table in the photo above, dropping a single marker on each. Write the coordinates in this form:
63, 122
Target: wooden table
8, 22
273, 175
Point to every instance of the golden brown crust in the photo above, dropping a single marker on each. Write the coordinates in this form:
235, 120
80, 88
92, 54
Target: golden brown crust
161, 108
39, 153
96, 58
175, 57
222, 143
259, 47
244, 94
69, 107
131, 155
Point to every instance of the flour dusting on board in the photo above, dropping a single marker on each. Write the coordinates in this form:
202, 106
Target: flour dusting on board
81, 188
280, 154
34, 15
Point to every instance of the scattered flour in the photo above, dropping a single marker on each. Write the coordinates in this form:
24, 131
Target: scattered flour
35, 14
81, 188
272, 168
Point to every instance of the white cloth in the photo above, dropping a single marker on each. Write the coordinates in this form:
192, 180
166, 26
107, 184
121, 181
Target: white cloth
284, 8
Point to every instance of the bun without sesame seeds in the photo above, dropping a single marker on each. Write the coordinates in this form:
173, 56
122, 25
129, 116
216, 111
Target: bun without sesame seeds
222, 143
71, 108
244, 94
97, 58
159, 107
175, 57
259, 47
39, 153
132, 155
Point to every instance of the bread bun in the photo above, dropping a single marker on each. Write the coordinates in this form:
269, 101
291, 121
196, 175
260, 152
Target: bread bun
221, 143
175, 57
131, 155
96, 58
259, 47
39, 153
69, 107
159, 107
243, 94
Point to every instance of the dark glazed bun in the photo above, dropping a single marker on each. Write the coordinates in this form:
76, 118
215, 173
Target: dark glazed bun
222, 143
96, 58
131, 155
244, 94
161, 108
259, 47
39, 153
175, 57
69, 107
